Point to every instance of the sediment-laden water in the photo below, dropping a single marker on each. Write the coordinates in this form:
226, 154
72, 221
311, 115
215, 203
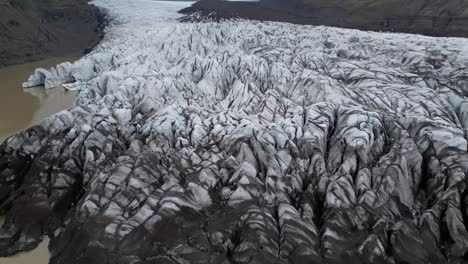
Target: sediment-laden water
22, 108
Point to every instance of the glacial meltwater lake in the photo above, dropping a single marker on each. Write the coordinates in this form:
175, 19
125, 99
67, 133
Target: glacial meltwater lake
20, 109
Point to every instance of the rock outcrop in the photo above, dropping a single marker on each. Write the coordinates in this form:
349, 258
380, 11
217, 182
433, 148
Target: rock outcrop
429, 17
36, 29
246, 142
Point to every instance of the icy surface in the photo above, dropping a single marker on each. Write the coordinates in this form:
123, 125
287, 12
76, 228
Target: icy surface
245, 142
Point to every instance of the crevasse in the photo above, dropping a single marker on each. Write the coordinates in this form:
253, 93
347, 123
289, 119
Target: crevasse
245, 142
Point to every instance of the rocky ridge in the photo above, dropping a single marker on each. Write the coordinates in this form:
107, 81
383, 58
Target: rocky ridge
428, 17
245, 142
32, 30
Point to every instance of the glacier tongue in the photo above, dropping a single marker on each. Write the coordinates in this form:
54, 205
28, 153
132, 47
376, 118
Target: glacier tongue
245, 142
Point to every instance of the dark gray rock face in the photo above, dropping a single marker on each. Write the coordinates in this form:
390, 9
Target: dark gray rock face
246, 142
428, 17
32, 30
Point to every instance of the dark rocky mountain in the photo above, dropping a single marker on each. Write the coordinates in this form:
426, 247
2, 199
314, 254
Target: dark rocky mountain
34, 29
429, 17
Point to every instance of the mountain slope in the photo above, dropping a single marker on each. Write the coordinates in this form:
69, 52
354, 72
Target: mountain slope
430, 17
30, 30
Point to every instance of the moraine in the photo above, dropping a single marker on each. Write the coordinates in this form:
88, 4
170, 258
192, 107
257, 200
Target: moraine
245, 142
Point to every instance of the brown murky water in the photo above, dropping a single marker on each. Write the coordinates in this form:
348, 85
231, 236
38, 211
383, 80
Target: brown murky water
22, 108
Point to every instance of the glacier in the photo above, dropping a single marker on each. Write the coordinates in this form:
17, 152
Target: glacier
193, 141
